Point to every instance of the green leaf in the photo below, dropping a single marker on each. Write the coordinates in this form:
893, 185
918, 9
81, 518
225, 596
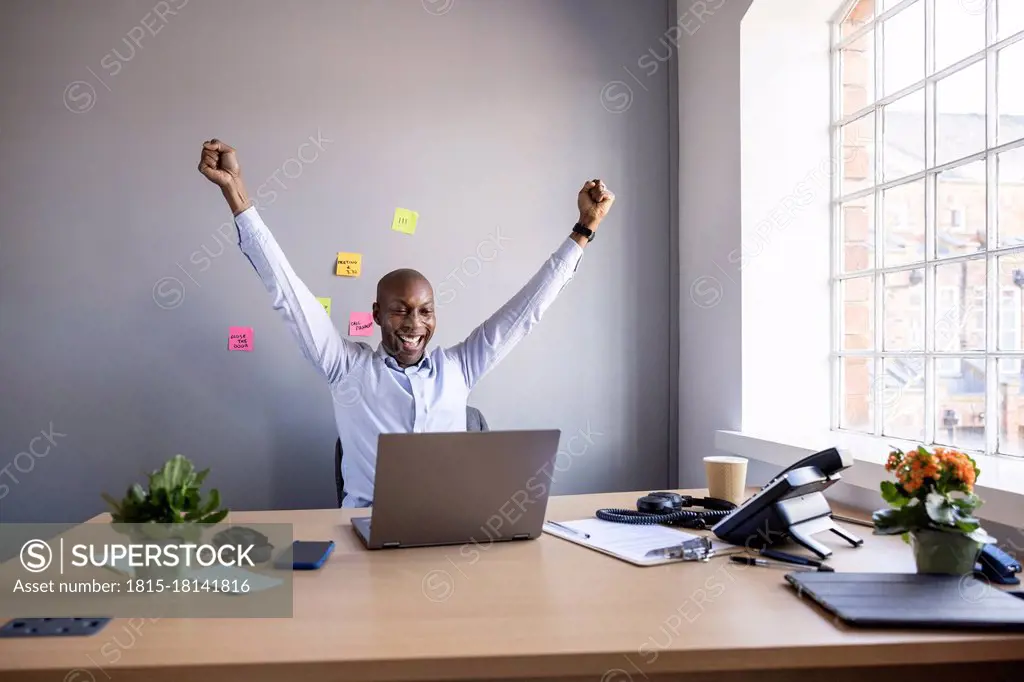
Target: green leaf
940, 510
176, 471
216, 517
892, 495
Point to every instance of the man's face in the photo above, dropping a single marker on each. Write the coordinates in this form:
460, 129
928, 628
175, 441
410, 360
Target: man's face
405, 312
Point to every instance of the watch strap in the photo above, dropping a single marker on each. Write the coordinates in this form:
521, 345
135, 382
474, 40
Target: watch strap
585, 231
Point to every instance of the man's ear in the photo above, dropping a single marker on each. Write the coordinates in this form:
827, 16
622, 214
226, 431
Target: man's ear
376, 314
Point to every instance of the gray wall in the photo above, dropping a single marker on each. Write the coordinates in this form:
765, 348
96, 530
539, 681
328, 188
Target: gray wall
709, 230
483, 116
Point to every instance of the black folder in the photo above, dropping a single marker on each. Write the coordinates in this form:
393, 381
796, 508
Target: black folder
910, 600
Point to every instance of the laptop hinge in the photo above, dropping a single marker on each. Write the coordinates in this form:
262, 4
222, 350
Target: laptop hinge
521, 536
390, 545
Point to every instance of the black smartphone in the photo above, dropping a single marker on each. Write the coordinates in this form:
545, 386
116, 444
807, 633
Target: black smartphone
306, 555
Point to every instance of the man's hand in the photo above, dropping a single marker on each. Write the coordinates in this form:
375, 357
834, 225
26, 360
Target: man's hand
594, 200
219, 163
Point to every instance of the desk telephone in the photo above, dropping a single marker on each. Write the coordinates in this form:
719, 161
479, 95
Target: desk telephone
790, 506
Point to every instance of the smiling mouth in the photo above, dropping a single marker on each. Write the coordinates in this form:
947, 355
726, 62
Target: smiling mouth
410, 343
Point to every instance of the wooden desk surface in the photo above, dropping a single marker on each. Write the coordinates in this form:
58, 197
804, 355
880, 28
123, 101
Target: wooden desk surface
544, 609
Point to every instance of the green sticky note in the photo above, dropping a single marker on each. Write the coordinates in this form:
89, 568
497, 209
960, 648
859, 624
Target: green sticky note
326, 303
405, 221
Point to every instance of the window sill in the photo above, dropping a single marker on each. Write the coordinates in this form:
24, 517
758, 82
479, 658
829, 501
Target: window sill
1001, 484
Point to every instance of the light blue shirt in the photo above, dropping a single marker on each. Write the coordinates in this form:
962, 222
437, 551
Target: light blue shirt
372, 394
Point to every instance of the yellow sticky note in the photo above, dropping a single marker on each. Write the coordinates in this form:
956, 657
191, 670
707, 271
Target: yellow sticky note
349, 264
405, 221
326, 303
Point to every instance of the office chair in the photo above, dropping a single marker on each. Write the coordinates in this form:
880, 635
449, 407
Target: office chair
474, 422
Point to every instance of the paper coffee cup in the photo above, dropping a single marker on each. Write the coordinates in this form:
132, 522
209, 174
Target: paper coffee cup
727, 477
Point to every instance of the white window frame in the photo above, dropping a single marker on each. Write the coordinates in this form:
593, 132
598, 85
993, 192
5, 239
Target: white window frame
993, 293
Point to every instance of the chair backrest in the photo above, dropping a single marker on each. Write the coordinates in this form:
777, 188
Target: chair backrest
474, 422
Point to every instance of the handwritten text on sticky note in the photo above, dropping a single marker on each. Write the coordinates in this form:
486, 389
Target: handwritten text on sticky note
326, 303
240, 338
360, 324
405, 221
349, 264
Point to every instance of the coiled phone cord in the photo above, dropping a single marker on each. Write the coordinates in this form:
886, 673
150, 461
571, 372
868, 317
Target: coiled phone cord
667, 509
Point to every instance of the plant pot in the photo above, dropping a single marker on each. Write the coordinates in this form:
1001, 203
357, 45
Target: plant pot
945, 553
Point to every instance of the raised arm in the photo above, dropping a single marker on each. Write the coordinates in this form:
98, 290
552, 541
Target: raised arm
306, 318
489, 343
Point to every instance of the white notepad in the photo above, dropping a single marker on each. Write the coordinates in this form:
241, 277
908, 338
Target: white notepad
629, 542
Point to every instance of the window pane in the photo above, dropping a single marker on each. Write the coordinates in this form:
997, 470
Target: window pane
858, 61
1011, 407
903, 398
858, 403
858, 296
903, 216
861, 13
1010, 220
1011, 279
1010, 97
858, 234
960, 210
1010, 17
959, 32
903, 48
903, 310
858, 140
960, 306
960, 405
960, 114
903, 136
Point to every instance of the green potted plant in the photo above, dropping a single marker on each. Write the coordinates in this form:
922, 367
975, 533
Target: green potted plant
172, 510
931, 505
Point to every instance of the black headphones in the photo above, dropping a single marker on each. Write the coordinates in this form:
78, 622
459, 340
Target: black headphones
670, 509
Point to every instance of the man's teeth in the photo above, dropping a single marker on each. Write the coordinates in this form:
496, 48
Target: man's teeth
412, 340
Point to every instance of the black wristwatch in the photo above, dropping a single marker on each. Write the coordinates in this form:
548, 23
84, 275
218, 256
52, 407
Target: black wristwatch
585, 231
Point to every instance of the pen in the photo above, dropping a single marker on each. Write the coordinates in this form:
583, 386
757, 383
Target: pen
794, 559
567, 529
751, 561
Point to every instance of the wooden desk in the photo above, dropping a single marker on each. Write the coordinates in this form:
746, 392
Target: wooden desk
539, 610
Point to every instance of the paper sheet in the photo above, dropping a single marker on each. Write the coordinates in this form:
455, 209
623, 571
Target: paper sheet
240, 338
629, 542
349, 264
360, 324
326, 303
405, 221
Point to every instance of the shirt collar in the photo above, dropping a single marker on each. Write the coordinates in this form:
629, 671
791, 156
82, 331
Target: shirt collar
390, 361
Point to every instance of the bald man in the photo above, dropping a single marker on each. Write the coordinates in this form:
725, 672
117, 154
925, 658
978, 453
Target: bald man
399, 387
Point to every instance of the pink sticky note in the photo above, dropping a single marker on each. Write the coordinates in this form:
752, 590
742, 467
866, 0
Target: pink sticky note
360, 324
240, 338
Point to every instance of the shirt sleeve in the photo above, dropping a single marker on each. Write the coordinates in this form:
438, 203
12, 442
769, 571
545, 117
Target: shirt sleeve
489, 343
318, 338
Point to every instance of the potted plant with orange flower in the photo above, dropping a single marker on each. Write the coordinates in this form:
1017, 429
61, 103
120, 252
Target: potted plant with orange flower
932, 504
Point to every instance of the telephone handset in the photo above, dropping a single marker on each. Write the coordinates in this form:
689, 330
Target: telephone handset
790, 506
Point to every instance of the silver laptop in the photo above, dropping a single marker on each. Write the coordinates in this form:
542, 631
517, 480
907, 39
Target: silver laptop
453, 488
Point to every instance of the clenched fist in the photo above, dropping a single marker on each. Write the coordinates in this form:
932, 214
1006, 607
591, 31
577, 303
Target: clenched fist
219, 164
594, 200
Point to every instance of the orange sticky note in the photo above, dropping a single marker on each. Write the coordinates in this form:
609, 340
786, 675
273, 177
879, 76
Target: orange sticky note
349, 264
360, 324
405, 221
240, 338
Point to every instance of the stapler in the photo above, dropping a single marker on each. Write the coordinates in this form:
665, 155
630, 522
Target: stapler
997, 567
